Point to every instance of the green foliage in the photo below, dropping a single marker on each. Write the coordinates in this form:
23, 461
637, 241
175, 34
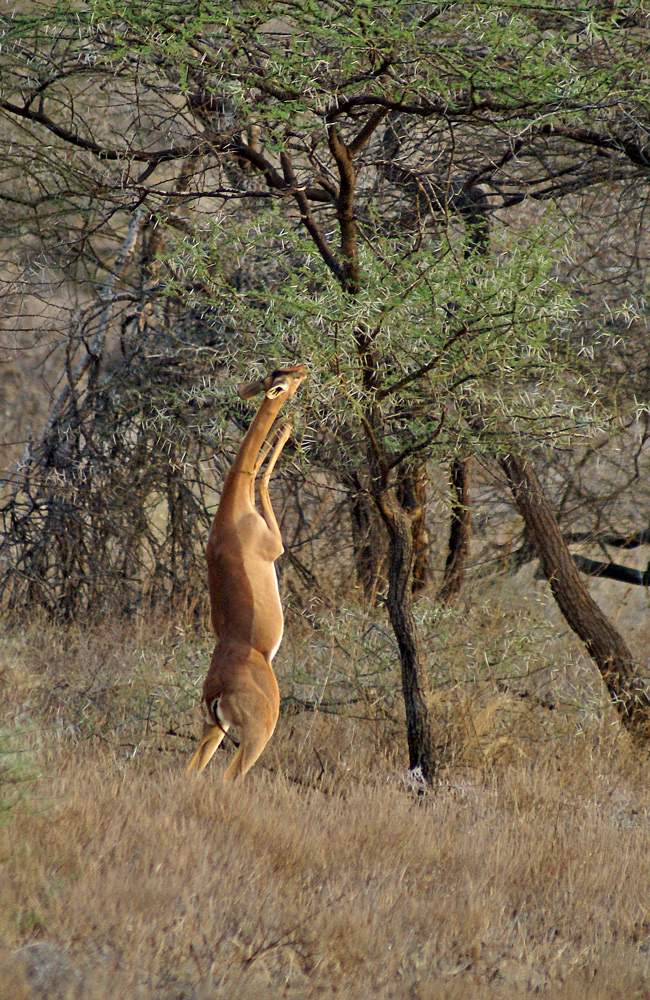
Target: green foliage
426, 289
280, 61
482, 339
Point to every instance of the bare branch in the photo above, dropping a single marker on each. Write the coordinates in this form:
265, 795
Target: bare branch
309, 222
102, 152
347, 176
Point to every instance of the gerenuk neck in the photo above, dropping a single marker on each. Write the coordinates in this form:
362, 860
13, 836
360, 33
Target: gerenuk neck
256, 435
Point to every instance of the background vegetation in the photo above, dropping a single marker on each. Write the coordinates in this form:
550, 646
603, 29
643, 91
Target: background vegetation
440, 208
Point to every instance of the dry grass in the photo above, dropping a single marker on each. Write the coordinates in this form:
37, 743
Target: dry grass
526, 873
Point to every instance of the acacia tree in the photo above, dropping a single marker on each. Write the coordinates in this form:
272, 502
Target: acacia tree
367, 169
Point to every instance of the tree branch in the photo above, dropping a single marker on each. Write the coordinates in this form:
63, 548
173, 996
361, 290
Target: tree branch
102, 152
347, 177
419, 445
367, 131
612, 571
640, 155
308, 220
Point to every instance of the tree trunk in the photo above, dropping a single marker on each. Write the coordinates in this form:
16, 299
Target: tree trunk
460, 529
424, 752
606, 646
411, 495
368, 540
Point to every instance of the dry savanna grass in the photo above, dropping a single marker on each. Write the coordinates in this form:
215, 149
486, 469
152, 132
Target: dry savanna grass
525, 873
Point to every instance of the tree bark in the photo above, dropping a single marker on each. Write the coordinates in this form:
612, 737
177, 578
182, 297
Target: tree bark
613, 571
411, 493
422, 752
425, 752
627, 689
460, 529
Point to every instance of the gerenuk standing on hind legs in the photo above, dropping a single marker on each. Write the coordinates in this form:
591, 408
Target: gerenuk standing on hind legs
240, 688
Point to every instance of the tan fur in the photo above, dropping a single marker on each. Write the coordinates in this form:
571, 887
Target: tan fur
240, 688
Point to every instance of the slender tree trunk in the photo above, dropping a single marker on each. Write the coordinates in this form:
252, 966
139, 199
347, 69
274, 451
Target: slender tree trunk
412, 495
460, 529
606, 646
425, 752
422, 752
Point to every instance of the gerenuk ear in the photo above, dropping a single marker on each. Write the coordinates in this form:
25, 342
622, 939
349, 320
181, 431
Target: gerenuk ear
250, 389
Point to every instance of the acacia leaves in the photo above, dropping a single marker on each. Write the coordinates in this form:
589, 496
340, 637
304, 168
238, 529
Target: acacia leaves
485, 338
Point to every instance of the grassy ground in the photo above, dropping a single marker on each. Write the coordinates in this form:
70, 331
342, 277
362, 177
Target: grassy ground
525, 873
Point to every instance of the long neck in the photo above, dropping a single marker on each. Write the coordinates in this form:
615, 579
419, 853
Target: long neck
256, 435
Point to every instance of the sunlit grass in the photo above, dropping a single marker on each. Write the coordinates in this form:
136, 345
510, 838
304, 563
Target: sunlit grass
527, 869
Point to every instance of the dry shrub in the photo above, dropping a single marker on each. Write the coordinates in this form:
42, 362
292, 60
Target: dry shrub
508, 684
484, 727
499, 689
